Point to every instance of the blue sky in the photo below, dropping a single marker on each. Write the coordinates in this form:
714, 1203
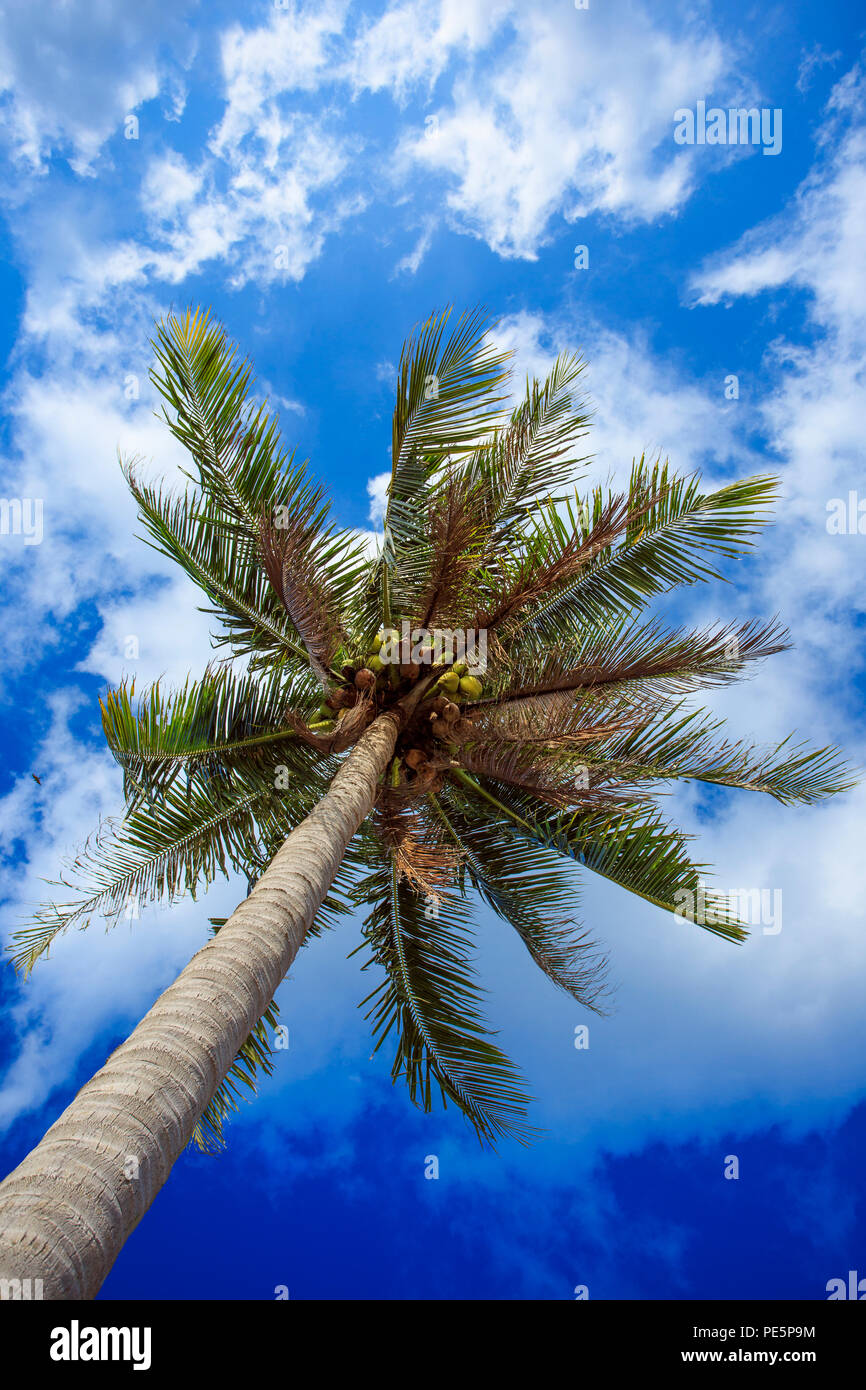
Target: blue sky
324, 176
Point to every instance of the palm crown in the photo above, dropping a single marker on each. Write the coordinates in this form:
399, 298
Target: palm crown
498, 784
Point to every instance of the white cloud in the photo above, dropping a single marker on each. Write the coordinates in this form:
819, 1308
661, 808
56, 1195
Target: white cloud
814, 412
813, 59
639, 401
377, 491
157, 634
414, 42
263, 204
169, 184
815, 244
386, 372
409, 263
75, 74
68, 429
291, 53
575, 116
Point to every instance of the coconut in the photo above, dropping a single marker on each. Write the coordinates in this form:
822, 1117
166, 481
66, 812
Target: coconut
470, 687
449, 683
385, 634
375, 664
460, 668
364, 679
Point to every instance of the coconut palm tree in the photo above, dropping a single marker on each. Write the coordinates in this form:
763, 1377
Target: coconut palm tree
342, 756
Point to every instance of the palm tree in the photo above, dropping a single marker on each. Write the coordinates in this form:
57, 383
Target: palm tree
337, 769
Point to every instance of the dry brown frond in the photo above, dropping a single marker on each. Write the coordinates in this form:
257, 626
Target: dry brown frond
422, 856
453, 528
532, 581
547, 778
676, 659
354, 722
288, 558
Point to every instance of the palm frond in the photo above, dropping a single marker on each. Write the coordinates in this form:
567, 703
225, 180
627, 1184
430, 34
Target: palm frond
451, 530
175, 846
234, 443
647, 659
447, 403
673, 535
553, 553
682, 745
423, 857
634, 848
529, 887
223, 722
315, 572
225, 564
430, 998
530, 459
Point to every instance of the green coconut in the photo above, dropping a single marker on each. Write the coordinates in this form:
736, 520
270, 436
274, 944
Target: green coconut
449, 683
471, 687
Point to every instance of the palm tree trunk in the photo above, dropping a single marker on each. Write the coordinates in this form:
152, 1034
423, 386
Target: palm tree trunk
66, 1211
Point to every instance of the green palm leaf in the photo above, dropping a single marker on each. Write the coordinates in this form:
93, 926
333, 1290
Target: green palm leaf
175, 846
530, 459
226, 564
680, 745
528, 887
674, 533
634, 847
233, 443
222, 723
446, 404
429, 996
647, 660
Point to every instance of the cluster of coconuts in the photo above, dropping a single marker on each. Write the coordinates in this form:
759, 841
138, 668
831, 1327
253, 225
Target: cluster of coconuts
455, 683
373, 660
